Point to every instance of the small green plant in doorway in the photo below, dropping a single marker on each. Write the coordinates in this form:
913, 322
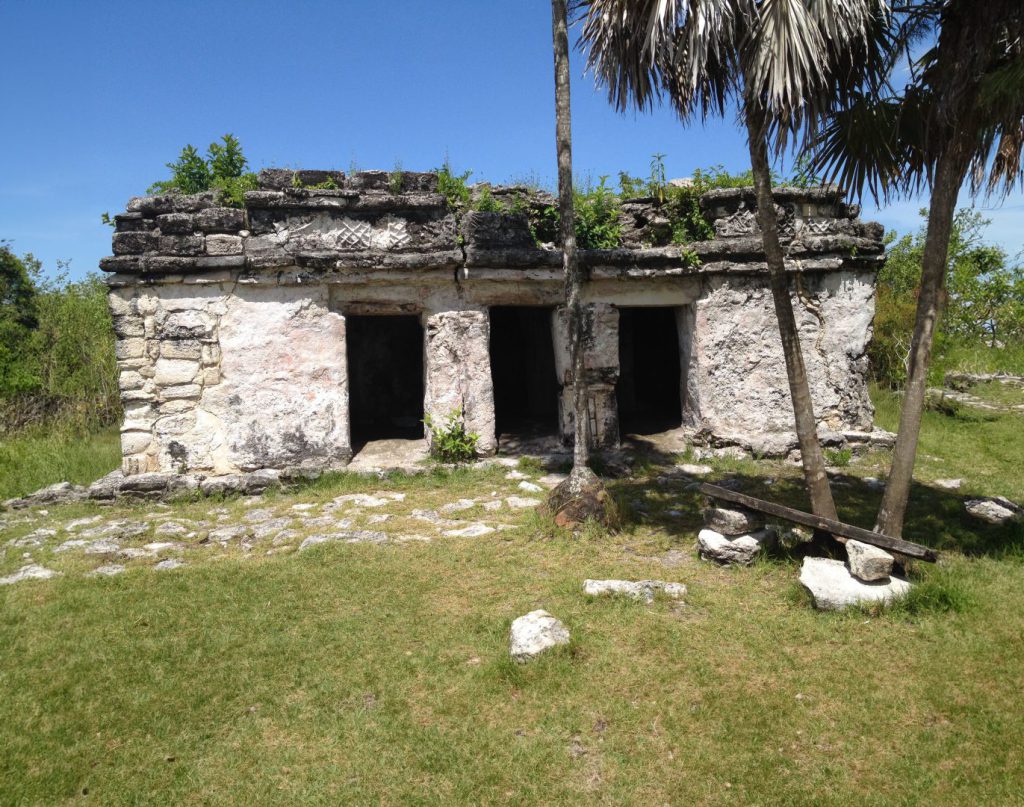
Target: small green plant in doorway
449, 440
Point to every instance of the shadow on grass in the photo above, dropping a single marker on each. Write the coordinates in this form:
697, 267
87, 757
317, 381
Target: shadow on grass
935, 517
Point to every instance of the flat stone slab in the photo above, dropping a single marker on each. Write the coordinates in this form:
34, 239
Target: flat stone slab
534, 633
996, 510
30, 572
347, 537
833, 588
470, 531
643, 590
522, 502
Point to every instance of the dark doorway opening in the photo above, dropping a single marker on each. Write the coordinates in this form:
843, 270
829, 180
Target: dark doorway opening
648, 392
385, 377
526, 387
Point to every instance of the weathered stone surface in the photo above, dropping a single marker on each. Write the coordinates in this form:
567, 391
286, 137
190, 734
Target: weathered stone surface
182, 245
134, 243
534, 633
833, 588
223, 245
458, 372
30, 572
220, 220
740, 550
996, 510
735, 359
868, 563
643, 590
732, 520
175, 223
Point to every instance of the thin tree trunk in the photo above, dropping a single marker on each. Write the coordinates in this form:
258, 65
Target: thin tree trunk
949, 176
803, 407
570, 260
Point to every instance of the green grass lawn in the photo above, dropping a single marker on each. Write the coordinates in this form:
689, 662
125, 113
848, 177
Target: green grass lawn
29, 462
380, 673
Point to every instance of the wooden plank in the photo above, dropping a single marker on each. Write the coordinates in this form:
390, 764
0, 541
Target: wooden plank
825, 524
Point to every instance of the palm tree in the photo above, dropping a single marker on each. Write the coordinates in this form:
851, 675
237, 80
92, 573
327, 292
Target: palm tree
570, 258
783, 62
582, 495
961, 114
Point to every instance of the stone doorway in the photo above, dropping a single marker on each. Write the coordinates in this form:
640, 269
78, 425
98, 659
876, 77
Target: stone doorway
648, 391
523, 372
385, 377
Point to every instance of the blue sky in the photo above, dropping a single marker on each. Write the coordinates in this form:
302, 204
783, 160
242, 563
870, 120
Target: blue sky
97, 97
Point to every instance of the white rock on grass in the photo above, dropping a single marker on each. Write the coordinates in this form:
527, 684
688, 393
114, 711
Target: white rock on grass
732, 521
530, 487
739, 550
949, 484
694, 470
534, 633
833, 588
643, 590
516, 475
348, 537
457, 506
30, 572
996, 510
868, 563
522, 502
109, 570
471, 531
170, 563
552, 480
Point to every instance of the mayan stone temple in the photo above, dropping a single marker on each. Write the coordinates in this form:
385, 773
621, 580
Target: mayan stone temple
289, 333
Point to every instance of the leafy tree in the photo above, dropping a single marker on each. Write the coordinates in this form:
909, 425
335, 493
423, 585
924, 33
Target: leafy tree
784, 63
18, 319
984, 296
959, 113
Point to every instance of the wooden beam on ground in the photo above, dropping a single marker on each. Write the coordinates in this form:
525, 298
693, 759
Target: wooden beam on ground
824, 524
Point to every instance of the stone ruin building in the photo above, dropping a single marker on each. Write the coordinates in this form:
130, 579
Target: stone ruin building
287, 334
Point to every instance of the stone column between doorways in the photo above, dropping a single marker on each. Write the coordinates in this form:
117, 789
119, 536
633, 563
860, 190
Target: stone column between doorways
601, 363
457, 364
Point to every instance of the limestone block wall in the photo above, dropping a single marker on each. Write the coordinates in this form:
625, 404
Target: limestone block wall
737, 388
222, 378
231, 323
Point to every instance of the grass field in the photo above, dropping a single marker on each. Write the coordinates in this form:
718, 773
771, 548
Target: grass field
29, 462
360, 673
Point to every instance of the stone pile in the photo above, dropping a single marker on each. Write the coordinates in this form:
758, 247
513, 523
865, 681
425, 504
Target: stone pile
865, 578
733, 535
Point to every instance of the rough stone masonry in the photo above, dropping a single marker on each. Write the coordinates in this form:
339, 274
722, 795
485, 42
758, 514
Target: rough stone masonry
232, 324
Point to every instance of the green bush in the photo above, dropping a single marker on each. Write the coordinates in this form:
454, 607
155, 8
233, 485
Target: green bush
982, 326
57, 363
222, 171
449, 440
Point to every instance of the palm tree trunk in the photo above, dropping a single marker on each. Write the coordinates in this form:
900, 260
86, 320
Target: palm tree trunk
570, 260
803, 407
949, 176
